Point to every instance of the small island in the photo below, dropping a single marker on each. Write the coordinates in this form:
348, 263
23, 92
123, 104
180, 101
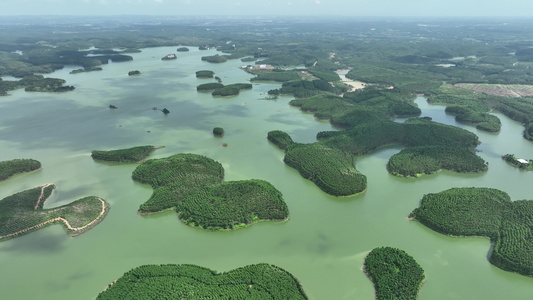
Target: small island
194, 186
88, 69
169, 57
260, 281
9, 168
182, 49
226, 91
205, 74
218, 89
129, 155
484, 212
394, 273
209, 86
218, 131
215, 58
521, 163
134, 73
23, 213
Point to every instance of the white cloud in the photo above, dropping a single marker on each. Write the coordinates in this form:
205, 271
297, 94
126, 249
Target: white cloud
317, 1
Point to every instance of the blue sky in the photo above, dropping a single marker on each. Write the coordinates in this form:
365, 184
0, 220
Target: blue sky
431, 8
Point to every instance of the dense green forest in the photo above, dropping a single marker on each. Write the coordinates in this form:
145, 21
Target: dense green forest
365, 117
484, 212
394, 273
23, 213
9, 168
260, 281
331, 169
233, 204
193, 185
129, 155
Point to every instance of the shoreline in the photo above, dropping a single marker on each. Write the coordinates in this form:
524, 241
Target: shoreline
72, 231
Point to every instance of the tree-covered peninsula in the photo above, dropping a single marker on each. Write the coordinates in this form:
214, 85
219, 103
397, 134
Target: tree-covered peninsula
484, 212
365, 117
193, 185
129, 155
9, 168
23, 212
394, 273
260, 281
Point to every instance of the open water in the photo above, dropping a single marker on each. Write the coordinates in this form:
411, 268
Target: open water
324, 242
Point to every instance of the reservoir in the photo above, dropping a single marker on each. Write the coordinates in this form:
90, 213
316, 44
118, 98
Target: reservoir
324, 242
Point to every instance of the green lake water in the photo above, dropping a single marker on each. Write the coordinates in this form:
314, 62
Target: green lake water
324, 242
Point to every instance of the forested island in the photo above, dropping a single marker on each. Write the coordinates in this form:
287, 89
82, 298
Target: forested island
524, 164
84, 70
215, 58
193, 185
129, 155
260, 281
23, 213
484, 212
218, 89
9, 168
205, 74
394, 273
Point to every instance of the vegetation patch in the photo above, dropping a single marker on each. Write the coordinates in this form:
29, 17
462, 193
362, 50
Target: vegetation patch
524, 164
133, 73
306, 88
231, 205
260, 281
129, 155
276, 75
89, 69
394, 273
182, 49
209, 86
471, 106
193, 184
280, 138
35, 83
226, 91
331, 169
484, 212
9, 168
205, 74
23, 212
330, 162
218, 131
215, 58
414, 161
